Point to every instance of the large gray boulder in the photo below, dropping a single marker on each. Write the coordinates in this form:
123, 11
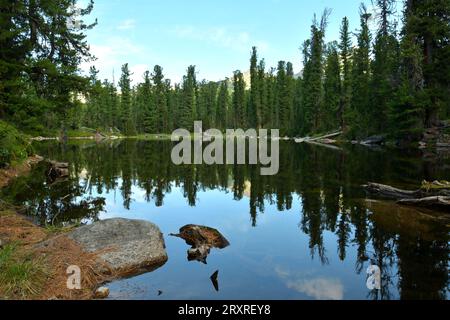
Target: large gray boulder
128, 247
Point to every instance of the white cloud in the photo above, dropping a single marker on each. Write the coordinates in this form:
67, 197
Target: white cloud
115, 52
320, 288
127, 24
221, 36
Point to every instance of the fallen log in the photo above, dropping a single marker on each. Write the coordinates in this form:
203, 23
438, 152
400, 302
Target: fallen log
428, 202
324, 145
324, 137
435, 195
389, 192
433, 189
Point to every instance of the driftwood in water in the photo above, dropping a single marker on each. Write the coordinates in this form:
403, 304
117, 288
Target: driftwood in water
325, 145
428, 202
434, 195
318, 139
388, 192
57, 170
201, 239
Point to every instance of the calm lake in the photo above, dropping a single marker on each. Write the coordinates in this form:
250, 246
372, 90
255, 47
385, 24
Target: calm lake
307, 233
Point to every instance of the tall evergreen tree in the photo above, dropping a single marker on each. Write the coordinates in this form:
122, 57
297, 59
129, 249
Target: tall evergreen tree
265, 115
128, 125
313, 75
345, 51
188, 111
160, 100
332, 89
384, 66
255, 91
39, 61
239, 101
223, 102
361, 75
427, 23
148, 105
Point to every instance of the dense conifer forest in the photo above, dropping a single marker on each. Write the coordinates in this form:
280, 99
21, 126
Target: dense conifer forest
392, 81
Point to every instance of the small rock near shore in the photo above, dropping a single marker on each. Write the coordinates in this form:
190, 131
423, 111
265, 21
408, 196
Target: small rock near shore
101, 293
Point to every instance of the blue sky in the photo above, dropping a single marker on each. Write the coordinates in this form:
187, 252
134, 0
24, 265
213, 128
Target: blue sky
214, 35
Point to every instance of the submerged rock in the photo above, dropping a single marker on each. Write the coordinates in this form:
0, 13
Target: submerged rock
127, 247
201, 239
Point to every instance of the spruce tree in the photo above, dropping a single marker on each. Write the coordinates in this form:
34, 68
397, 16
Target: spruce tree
223, 102
345, 52
188, 110
160, 100
128, 125
39, 61
255, 91
239, 101
313, 51
384, 66
265, 116
361, 107
332, 89
148, 105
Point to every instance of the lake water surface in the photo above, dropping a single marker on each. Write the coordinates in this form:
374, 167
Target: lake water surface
307, 233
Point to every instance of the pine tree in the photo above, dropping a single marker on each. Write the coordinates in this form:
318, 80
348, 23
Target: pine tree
255, 91
427, 24
160, 100
265, 115
313, 76
406, 108
384, 67
332, 89
272, 97
345, 48
223, 102
188, 110
239, 101
290, 90
128, 125
285, 97
361, 108
39, 61
148, 105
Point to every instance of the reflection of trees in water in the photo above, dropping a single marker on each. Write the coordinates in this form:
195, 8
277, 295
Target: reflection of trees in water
327, 184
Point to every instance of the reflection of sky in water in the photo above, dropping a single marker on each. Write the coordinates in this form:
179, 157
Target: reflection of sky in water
269, 261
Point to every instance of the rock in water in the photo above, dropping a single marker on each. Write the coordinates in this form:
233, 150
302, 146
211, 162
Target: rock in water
127, 247
201, 239
101, 293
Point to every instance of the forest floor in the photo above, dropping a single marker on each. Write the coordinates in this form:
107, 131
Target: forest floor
32, 266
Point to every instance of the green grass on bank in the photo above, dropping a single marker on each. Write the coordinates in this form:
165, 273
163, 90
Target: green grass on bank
21, 274
14, 146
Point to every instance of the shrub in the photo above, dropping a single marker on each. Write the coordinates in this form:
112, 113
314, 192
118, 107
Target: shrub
14, 146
